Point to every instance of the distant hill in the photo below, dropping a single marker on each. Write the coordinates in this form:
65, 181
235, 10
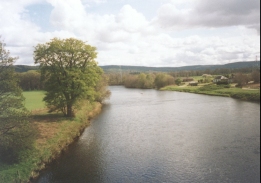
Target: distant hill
25, 68
113, 68
235, 65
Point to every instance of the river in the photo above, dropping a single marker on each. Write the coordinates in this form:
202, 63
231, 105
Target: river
149, 136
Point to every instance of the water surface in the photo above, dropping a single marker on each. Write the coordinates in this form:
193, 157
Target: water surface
162, 136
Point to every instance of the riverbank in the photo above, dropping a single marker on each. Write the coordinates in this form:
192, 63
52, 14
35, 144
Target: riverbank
55, 134
218, 90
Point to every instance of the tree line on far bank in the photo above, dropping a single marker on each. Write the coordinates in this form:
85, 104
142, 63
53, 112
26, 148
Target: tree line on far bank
31, 80
159, 80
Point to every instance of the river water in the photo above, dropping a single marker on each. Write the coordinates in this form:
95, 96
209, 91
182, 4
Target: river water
161, 136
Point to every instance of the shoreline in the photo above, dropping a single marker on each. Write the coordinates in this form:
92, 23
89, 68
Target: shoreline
252, 95
55, 134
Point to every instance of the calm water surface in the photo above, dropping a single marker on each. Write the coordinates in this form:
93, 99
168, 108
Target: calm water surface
151, 136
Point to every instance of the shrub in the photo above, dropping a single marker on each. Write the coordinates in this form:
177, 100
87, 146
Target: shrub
178, 81
223, 83
131, 81
162, 80
227, 86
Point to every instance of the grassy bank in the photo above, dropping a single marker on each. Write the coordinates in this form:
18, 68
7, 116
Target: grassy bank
55, 134
221, 90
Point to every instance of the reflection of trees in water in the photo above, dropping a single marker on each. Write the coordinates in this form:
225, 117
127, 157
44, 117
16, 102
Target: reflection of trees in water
80, 162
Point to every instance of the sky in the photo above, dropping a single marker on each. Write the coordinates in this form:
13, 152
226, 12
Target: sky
156, 33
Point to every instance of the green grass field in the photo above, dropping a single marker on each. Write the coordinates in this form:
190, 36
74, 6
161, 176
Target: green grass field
244, 94
34, 100
196, 78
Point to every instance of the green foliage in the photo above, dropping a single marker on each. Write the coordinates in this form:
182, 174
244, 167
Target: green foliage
178, 81
142, 80
115, 78
148, 81
131, 81
207, 80
70, 73
30, 80
210, 87
163, 79
145, 81
101, 89
220, 90
227, 86
223, 82
15, 129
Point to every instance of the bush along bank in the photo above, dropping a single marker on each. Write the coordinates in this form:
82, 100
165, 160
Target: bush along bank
219, 90
55, 134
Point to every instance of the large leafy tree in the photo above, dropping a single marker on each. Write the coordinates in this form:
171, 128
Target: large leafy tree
15, 130
70, 71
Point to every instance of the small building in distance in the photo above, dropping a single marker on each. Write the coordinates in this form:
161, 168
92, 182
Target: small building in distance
222, 80
193, 83
188, 79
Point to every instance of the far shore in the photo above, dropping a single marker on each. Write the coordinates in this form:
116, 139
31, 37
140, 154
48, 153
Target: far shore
247, 94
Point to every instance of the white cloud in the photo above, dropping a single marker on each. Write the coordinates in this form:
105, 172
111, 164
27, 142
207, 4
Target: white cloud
206, 13
129, 38
131, 20
67, 14
170, 16
89, 2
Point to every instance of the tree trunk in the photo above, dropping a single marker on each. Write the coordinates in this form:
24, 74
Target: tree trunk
70, 112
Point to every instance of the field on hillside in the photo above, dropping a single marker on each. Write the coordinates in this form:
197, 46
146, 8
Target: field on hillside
34, 100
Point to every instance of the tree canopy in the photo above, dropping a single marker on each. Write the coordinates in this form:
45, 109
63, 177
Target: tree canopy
15, 128
30, 80
70, 73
